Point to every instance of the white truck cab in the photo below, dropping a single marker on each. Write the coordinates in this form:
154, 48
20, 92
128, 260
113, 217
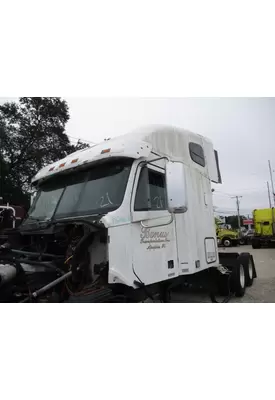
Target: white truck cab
150, 192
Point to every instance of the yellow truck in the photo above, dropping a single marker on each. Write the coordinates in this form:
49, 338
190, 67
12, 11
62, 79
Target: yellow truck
226, 237
264, 225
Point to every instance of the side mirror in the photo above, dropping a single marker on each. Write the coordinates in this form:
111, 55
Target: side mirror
176, 187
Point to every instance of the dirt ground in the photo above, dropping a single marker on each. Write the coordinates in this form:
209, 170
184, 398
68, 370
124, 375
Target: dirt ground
263, 289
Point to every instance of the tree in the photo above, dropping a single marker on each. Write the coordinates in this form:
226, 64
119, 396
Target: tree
32, 135
9, 192
217, 221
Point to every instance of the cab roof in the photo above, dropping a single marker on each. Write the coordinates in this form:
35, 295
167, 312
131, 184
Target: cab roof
162, 139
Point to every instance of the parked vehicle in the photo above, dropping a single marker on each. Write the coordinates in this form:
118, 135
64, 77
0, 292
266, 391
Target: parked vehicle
247, 237
227, 237
264, 225
125, 220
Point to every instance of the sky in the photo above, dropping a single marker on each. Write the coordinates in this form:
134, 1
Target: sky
242, 130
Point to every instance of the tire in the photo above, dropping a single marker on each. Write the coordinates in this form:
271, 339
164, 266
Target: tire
227, 242
242, 242
246, 260
250, 273
238, 280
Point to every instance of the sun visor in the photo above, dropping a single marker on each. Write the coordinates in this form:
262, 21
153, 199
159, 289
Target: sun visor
115, 148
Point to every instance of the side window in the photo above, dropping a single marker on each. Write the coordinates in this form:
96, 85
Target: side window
197, 153
151, 191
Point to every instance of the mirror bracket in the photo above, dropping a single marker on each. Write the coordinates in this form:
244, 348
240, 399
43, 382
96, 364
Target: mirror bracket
161, 224
154, 160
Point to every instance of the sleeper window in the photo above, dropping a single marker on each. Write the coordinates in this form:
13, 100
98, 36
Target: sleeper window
151, 191
197, 154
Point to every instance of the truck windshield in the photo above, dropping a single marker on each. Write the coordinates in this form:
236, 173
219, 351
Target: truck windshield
95, 191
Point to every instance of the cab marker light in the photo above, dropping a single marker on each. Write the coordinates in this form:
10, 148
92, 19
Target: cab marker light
105, 151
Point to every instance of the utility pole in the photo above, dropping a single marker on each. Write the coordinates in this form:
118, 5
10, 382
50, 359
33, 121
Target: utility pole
272, 183
269, 198
238, 211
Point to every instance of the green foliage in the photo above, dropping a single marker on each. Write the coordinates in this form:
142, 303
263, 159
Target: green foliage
217, 221
32, 135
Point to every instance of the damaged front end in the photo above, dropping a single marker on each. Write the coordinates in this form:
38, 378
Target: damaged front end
60, 251
67, 261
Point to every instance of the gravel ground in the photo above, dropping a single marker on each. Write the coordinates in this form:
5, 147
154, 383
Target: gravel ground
263, 289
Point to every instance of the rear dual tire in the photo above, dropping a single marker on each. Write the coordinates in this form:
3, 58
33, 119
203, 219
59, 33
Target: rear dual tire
234, 283
239, 280
241, 276
244, 274
249, 271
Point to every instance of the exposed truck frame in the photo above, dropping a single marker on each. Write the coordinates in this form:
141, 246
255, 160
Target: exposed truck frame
10, 217
125, 220
14, 219
3, 209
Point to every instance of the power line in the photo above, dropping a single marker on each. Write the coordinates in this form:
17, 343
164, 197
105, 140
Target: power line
225, 212
80, 139
232, 213
226, 209
222, 193
253, 189
245, 192
243, 210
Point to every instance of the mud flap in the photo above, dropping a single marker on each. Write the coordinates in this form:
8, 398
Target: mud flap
254, 268
231, 262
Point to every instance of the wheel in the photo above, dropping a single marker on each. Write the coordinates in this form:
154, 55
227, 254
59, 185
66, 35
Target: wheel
246, 260
250, 273
242, 241
238, 280
227, 242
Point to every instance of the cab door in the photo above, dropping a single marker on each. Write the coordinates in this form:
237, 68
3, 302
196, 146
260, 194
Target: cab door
154, 250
